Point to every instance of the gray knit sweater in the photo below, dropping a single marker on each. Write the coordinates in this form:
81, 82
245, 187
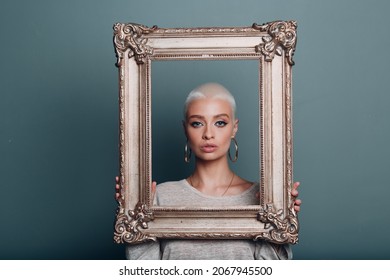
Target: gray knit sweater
179, 193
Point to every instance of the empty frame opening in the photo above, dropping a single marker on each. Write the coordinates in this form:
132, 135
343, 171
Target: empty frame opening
171, 82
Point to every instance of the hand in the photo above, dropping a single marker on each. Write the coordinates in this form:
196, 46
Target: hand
117, 189
294, 193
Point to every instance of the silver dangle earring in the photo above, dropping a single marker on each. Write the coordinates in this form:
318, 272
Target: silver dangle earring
236, 153
187, 153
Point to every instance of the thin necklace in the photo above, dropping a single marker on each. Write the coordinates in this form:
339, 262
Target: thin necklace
231, 181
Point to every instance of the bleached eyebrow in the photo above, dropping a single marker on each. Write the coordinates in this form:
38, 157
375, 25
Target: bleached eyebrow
196, 117
202, 117
222, 115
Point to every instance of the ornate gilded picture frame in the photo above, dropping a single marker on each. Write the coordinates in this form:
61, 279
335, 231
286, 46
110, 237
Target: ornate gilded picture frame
272, 45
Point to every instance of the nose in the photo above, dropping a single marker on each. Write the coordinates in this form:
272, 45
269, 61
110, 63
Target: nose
208, 133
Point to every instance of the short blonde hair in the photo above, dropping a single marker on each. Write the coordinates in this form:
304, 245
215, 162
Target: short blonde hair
210, 90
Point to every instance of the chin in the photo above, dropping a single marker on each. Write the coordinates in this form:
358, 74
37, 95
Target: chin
210, 157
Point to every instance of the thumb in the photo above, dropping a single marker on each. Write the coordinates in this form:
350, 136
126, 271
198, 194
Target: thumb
154, 184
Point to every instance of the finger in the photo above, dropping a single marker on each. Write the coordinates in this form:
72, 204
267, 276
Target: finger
296, 185
116, 196
297, 208
294, 191
298, 202
117, 179
117, 187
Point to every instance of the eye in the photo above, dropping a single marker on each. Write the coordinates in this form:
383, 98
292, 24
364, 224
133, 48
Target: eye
221, 123
196, 124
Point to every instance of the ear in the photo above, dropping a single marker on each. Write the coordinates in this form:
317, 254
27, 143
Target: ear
235, 128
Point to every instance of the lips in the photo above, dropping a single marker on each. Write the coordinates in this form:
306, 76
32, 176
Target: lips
208, 148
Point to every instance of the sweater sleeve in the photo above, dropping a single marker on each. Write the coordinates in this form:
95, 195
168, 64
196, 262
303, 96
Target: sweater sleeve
145, 251
271, 251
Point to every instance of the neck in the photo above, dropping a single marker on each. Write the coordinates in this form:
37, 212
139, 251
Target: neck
212, 177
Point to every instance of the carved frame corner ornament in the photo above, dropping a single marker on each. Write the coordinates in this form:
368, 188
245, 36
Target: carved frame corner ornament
282, 34
285, 230
128, 228
129, 36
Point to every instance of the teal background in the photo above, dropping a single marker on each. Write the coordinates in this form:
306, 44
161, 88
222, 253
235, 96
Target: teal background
59, 121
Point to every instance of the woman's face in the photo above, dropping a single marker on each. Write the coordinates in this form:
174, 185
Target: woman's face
209, 127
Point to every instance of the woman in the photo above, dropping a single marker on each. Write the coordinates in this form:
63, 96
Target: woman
210, 125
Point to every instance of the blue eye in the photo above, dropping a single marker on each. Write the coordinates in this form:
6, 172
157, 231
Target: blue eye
196, 124
220, 123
